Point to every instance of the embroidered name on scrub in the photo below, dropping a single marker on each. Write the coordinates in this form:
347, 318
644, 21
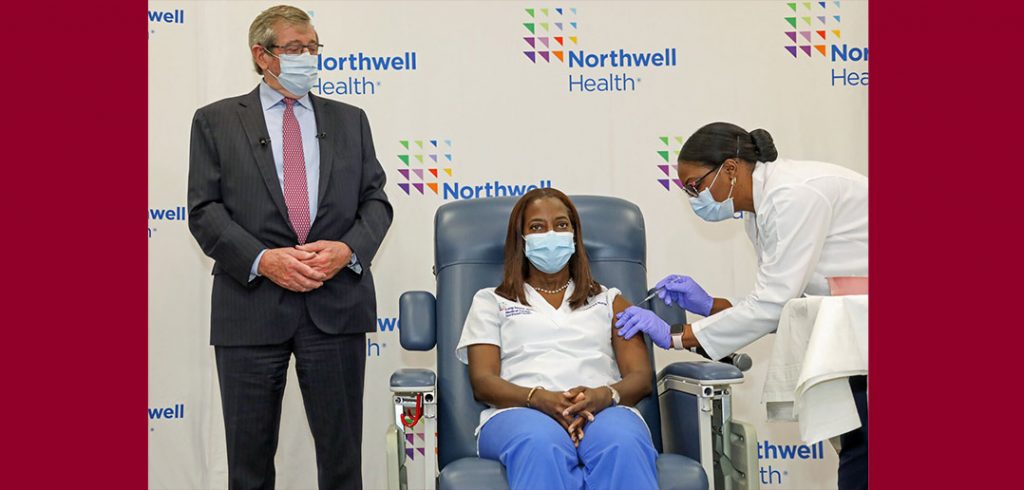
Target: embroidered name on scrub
515, 310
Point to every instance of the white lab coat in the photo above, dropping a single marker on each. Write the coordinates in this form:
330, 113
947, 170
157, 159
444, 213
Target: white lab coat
810, 223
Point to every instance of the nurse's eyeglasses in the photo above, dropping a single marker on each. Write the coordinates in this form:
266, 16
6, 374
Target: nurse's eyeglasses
692, 189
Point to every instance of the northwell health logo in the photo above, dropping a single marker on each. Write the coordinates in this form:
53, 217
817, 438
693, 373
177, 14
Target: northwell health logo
427, 169
551, 37
668, 152
814, 31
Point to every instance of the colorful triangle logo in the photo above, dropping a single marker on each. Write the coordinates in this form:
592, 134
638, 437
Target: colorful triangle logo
433, 171
544, 54
806, 50
792, 50
434, 142
664, 182
664, 168
807, 20
573, 39
791, 20
821, 33
529, 26
836, 32
531, 55
792, 6
820, 48
807, 5
558, 54
418, 187
404, 172
543, 40
558, 25
448, 156
529, 12
448, 171
664, 155
530, 41
434, 158
664, 140
432, 186
405, 143
544, 11
559, 10
821, 19
404, 187
420, 158
544, 25
419, 143
559, 40
404, 159
418, 172
806, 35
791, 35
679, 139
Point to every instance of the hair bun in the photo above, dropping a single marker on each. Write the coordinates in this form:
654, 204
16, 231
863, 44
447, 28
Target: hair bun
764, 145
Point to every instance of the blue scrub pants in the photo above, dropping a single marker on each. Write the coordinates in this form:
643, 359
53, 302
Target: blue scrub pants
616, 451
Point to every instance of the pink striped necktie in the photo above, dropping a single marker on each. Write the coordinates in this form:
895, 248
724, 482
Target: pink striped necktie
296, 194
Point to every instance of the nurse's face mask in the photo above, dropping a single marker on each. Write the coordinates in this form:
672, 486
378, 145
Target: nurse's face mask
549, 252
705, 205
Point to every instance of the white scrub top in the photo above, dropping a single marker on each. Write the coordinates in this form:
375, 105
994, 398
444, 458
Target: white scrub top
541, 346
810, 223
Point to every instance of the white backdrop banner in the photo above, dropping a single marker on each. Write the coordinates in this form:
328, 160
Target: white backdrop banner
478, 99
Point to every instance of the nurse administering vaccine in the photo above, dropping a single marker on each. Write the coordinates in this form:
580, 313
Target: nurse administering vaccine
808, 221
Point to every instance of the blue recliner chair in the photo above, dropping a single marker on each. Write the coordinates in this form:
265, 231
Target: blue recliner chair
468, 256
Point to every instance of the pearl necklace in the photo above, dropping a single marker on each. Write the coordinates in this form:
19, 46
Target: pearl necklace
553, 291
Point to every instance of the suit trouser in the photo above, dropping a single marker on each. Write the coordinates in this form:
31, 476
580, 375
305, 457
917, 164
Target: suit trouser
853, 457
330, 370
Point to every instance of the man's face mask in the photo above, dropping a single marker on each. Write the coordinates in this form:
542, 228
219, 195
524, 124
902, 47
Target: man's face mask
298, 72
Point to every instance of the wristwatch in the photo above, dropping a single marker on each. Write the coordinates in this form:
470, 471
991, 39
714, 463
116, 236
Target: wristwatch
615, 395
677, 341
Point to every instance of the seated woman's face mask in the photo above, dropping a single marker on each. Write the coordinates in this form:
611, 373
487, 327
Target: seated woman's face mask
549, 252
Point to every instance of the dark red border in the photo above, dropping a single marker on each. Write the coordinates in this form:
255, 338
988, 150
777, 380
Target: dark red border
946, 254
74, 255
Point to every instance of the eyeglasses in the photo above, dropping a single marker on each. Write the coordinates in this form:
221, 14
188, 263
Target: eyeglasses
692, 188
298, 48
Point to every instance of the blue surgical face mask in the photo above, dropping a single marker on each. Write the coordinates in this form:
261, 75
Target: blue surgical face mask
298, 72
549, 252
708, 208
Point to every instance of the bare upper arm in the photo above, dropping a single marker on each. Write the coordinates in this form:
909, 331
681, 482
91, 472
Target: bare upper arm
631, 355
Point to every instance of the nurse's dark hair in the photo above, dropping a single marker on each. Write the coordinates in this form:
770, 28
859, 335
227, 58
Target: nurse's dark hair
517, 266
717, 142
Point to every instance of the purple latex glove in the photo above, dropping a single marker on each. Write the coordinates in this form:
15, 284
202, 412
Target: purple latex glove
685, 292
635, 319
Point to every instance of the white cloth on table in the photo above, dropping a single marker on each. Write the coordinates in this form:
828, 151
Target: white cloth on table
820, 343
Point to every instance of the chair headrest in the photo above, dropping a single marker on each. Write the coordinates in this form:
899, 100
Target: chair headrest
474, 230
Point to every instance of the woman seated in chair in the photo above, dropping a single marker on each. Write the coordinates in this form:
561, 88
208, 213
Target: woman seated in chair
542, 354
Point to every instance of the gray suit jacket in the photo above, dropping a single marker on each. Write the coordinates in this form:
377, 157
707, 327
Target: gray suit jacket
236, 208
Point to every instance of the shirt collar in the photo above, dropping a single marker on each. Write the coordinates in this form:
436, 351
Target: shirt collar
270, 97
759, 178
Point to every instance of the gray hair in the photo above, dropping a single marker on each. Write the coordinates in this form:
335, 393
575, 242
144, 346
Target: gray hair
261, 31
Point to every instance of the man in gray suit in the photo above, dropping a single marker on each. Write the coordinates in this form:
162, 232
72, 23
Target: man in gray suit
285, 193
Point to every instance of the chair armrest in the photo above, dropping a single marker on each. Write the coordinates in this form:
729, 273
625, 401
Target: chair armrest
413, 380
702, 372
417, 320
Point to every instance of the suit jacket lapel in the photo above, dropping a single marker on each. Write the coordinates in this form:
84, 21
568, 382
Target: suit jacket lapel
324, 126
250, 111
